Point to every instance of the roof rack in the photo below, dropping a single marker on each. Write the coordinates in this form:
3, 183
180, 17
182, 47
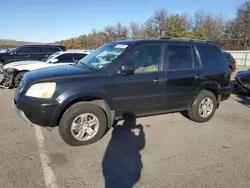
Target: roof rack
187, 39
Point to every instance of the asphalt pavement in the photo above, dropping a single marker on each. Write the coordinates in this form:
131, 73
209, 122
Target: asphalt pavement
161, 151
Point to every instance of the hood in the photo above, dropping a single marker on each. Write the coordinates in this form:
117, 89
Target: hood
4, 54
244, 76
18, 63
56, 72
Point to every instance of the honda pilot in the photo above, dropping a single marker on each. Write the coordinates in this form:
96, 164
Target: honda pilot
142, 77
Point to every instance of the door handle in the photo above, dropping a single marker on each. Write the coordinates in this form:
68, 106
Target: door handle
197, 76
27, 56
157, 80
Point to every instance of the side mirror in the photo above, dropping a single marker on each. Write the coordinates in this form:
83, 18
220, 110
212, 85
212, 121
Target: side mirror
54, 60
127, 69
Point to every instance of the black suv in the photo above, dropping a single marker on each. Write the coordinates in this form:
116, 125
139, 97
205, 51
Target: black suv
142, 77
29, 52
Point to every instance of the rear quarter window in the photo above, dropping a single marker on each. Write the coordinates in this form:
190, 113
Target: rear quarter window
227, 56
54, 49
211, 56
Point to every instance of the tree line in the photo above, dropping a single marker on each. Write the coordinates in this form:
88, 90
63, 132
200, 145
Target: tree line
231, 34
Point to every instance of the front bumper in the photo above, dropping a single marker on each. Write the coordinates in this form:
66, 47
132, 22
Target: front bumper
20, 113
36, 111
226, 93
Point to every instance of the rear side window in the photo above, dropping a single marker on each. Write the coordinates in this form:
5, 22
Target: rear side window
54, 49
65, 58
211, 56
32, 49
79, 56
227, 56
180, 57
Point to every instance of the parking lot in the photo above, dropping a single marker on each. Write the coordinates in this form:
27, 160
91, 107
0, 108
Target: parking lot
171, 150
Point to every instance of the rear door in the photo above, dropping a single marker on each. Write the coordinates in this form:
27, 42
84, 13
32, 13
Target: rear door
183, 74
38, 52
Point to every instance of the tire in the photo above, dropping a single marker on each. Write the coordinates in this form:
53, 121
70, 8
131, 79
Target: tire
193, 111
1, 66
18, 78
72, 113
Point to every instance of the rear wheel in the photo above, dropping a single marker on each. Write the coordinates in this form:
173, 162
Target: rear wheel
83, 123
18, 78
203, 108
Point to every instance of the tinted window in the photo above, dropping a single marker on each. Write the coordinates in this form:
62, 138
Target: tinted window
79, 56
227, 56
65, 58
146, 58
32, 49
211, 56
54, 49
180, 57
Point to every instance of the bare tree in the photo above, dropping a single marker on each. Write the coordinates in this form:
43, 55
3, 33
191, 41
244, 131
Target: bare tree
134, 30
214, 24
160, 20
150, 30
109, 32
243, 22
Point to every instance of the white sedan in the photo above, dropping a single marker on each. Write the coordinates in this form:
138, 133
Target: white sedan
13, 72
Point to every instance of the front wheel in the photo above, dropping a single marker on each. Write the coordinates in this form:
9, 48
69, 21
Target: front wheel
18, 78
82, 124
203, 108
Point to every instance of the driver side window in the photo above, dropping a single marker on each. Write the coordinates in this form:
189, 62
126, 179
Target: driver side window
146, 58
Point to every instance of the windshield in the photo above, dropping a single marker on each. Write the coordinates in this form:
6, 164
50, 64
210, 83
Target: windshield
47, 59
103, 56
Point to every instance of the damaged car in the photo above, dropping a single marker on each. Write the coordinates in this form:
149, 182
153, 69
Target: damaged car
14, 72
242, 81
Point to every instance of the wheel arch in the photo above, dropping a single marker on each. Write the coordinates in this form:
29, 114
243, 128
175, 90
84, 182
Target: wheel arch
97, 100
211, 86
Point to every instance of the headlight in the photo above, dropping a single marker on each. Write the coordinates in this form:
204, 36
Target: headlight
42, 90
10, 70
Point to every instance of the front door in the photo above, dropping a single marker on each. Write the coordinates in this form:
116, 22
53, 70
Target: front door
143, 91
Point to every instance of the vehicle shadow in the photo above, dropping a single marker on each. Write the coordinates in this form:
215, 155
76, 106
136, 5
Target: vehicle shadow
243, 99
122, 163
